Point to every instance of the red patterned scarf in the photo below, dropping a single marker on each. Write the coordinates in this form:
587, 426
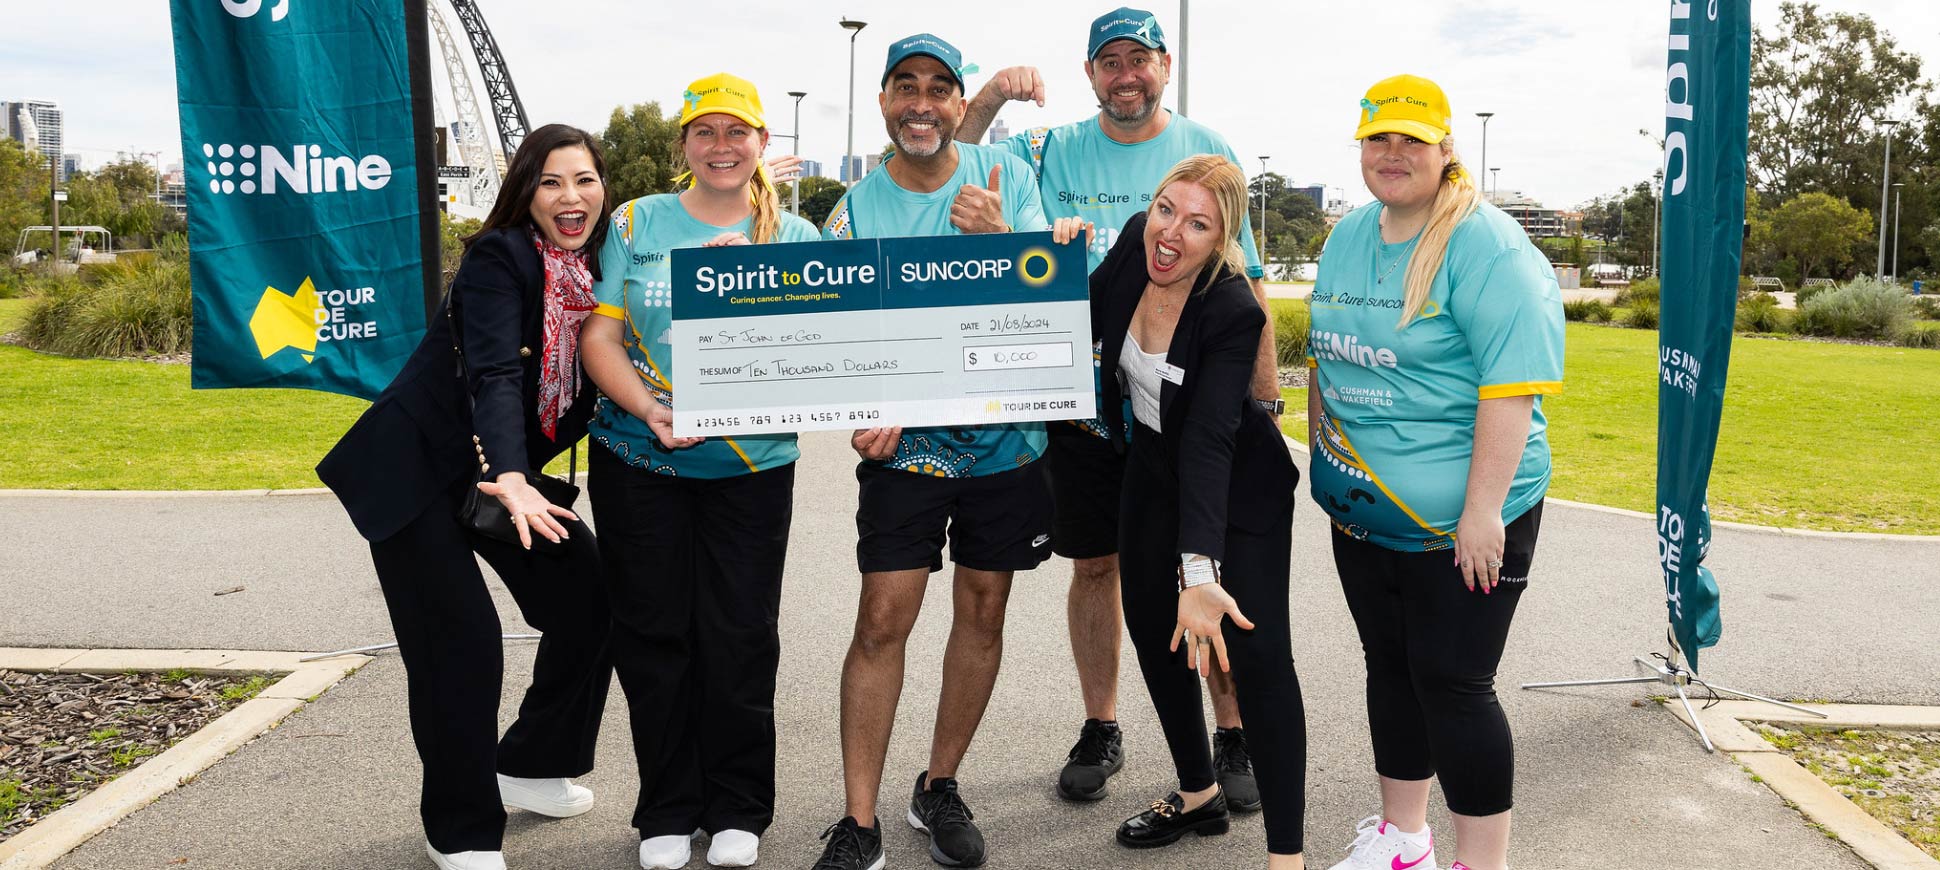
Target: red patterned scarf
569, 299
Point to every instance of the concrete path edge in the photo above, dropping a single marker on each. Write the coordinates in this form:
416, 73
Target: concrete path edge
44, 843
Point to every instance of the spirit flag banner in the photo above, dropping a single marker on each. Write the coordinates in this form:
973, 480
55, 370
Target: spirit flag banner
311, 234
1707, 95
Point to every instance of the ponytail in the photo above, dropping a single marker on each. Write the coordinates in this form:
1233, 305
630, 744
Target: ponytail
767, 205
1456, 200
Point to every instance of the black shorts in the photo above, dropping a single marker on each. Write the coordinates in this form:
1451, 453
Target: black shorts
997, 522
1086, 477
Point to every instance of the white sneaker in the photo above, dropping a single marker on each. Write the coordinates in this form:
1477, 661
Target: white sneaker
1379, 845
733, 848
465, 860
556, 797
670, 852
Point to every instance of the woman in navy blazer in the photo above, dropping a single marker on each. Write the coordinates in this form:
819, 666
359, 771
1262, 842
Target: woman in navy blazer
406, 465
1207, 502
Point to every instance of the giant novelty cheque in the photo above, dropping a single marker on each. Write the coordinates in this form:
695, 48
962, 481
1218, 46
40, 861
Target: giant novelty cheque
929, 331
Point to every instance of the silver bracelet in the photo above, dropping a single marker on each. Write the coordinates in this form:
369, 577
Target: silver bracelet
1197, 573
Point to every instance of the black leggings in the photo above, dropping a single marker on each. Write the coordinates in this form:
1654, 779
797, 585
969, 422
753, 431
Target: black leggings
1254, 572
1432, 648
694, 568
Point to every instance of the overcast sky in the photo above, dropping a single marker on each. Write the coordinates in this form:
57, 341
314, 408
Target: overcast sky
1570, 83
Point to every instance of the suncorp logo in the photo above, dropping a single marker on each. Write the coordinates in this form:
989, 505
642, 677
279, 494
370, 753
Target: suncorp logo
1348, 348
249, 8
304, 170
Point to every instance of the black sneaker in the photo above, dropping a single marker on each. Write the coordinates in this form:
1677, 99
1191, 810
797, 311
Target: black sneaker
936, 810
1165, 822
1233, 767
1097, 755
851, 847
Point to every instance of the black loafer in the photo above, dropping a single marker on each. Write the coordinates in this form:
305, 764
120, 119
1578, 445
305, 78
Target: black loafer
1165, 822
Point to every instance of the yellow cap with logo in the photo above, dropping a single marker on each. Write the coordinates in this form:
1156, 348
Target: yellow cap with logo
724, 93
1405, 104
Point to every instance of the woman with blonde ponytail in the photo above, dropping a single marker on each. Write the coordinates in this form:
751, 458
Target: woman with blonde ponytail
693, 561
1437, 330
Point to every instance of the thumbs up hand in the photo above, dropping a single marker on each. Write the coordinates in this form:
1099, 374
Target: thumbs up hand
980, 209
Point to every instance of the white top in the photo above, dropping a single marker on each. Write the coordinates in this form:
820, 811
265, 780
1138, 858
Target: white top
1140, 371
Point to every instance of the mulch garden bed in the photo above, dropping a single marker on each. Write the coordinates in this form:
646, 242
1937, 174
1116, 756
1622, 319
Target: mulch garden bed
1893, 775
63, 735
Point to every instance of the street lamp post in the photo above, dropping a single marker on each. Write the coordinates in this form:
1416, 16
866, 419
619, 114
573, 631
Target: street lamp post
1896, 230
1185, 31
848, 156
1263, 159
1485, 116
1885, 177
1656, 215
1495, 182
795, 194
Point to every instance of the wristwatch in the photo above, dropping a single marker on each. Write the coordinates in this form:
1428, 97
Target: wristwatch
1276, 407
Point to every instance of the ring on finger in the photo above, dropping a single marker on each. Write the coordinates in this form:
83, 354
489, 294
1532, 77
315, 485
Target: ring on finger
1495, 563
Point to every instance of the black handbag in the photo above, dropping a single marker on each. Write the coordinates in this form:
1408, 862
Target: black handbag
484, 514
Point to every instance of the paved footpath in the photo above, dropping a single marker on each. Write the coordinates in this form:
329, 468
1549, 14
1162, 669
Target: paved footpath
1602, 781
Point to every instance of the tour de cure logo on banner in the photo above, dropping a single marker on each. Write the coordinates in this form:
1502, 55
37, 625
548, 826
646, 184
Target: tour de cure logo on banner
1707, 94
304, 216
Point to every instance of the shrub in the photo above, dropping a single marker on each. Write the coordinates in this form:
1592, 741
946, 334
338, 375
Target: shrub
1801, 295
137, 305
1645, 291
1290, 326
1641, 316
1759, 312
1919, 333
1863, 308
1586, 310
1924, 307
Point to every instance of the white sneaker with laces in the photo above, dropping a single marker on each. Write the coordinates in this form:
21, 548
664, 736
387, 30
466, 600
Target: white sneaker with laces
556, 797
1379, 845
733, 848
670, 852
465, 860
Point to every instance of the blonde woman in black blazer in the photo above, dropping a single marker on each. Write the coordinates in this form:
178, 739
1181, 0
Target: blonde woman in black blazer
1208, 499
406, 465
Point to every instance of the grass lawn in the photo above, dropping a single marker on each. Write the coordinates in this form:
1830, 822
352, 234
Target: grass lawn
1814, 435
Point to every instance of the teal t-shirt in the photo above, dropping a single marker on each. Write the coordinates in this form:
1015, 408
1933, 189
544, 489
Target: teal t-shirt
878, 207
1398, 405
634, 289
1084, 173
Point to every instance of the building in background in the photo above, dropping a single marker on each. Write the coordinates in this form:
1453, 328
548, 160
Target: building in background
37, 125
870, 162
811, 167
1538, 222
851, 170
70, 164
1315, 192
998, 131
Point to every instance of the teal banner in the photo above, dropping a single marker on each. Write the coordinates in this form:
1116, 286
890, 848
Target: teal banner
308, 219
1707, 97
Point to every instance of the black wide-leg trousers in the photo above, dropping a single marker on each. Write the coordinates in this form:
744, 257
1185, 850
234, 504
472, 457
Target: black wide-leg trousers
694, 570
1254, 572
448, 635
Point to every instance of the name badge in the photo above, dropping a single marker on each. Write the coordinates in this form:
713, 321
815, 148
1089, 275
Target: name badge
1170, 372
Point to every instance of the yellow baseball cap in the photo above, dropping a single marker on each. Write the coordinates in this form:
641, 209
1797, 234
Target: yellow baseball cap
1405, 104
724, 93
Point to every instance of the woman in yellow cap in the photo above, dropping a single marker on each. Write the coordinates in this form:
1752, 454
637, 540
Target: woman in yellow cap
697, 528
1437, 329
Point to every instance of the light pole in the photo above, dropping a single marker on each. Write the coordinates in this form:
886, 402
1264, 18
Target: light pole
1185, 19
795, 194
848, 156
1495, 182
1885, 176
1485, 116
1263, 159
1656, 214
1896, 230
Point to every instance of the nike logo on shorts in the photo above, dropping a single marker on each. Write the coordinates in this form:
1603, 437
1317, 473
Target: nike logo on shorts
1040, 541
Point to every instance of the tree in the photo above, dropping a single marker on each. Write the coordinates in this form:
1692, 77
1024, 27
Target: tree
120, 197
642, 150
1820, 232
1819, 84
23, 191
819, 196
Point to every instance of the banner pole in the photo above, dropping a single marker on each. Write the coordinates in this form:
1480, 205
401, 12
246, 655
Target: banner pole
417, 31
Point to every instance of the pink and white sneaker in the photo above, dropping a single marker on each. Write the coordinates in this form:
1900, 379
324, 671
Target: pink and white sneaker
1379, 845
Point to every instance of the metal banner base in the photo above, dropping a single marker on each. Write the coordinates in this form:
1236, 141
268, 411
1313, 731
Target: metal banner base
1667, 671
393, 645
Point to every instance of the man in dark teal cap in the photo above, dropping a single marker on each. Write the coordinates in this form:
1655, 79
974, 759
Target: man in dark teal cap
1104, 169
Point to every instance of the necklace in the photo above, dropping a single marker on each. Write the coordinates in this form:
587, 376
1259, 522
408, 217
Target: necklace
1383, 279
1161, 304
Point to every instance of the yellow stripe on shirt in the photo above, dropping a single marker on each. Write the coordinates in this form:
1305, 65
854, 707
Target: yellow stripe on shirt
1526, 388
613, 311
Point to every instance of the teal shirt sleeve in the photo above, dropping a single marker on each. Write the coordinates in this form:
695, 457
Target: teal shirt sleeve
795, 229
1025, 206
1018, 146
1511, 314
609, 290
840, 225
